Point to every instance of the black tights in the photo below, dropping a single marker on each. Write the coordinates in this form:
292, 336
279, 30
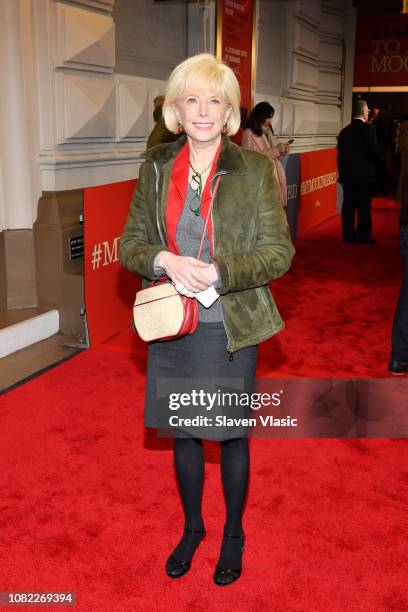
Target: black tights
189, 464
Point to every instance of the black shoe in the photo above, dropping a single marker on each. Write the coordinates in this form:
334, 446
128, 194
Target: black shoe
176, 568
352, 241
398, 367
224, 577
366, 240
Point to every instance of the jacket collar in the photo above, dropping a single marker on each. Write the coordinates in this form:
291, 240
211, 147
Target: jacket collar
230, 161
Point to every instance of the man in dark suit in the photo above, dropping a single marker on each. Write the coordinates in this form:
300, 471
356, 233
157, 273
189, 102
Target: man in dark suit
359, 161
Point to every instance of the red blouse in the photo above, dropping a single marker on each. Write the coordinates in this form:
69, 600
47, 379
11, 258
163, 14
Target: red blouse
178, 192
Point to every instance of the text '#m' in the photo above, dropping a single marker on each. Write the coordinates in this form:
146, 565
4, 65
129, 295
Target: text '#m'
104, 253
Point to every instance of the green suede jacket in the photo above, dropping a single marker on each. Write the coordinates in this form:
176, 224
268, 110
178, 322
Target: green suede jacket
251, 239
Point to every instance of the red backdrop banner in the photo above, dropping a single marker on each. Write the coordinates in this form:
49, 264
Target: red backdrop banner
235, 44
381, 55
109, 288
318, 188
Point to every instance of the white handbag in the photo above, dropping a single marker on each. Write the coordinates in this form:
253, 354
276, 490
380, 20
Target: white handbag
160, 312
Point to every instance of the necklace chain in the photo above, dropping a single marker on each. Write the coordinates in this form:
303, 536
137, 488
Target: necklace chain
197, 185
202, 171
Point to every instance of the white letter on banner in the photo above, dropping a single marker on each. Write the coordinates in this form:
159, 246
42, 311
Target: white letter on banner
378, 65
109, 256
377, 43
395, 43
400, 65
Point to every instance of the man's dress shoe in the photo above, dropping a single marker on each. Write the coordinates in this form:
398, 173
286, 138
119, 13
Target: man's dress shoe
398, 367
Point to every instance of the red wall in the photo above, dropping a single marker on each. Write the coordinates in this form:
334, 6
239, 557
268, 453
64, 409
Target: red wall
109, 288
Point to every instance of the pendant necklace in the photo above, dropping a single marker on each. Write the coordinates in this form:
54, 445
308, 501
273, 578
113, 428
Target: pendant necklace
197, 184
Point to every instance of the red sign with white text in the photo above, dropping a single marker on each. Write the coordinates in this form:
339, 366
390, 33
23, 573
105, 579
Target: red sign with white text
109, 288
381, 54
318, 188
235, 21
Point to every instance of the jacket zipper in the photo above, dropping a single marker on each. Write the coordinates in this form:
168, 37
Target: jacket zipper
230, 352
158, 207
263, 298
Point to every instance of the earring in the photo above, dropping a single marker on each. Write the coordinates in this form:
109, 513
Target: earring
224, 128
180, 127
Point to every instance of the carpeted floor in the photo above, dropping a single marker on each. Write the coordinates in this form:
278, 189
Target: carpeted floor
338, 302
89, 502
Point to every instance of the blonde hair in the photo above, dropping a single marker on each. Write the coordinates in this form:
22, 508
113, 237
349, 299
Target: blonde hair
205, 72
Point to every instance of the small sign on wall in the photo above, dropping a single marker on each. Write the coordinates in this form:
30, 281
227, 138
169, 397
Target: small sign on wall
76, 247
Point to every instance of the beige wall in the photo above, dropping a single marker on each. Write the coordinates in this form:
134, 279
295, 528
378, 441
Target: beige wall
151, 37
17, 269
3, 273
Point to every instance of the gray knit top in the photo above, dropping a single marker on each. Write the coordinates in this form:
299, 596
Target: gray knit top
188, 234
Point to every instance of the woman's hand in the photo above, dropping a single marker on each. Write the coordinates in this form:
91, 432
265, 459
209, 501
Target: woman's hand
194, 274
283, 148
209, 274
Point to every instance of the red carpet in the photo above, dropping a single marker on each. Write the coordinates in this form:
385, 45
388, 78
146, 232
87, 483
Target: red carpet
338, 302
89, 502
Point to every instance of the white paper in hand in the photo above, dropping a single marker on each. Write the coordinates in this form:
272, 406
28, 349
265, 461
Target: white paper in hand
207, 297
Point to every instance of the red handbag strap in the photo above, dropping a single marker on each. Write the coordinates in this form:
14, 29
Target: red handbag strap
200, 248
161, 279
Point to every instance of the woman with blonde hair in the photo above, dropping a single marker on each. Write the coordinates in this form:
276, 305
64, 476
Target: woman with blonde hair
246, 245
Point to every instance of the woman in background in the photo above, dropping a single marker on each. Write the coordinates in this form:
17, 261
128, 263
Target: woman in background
259, 136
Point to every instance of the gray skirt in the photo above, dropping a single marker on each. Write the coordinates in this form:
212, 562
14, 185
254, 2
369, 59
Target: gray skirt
194, 389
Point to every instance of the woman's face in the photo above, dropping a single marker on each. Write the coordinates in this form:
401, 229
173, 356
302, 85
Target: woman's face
202, 114
268, 122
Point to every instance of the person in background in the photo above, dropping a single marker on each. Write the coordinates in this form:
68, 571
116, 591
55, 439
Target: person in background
395, 156
374, 115
359, 161
378, 121
159, 134
258, 136
399, 354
